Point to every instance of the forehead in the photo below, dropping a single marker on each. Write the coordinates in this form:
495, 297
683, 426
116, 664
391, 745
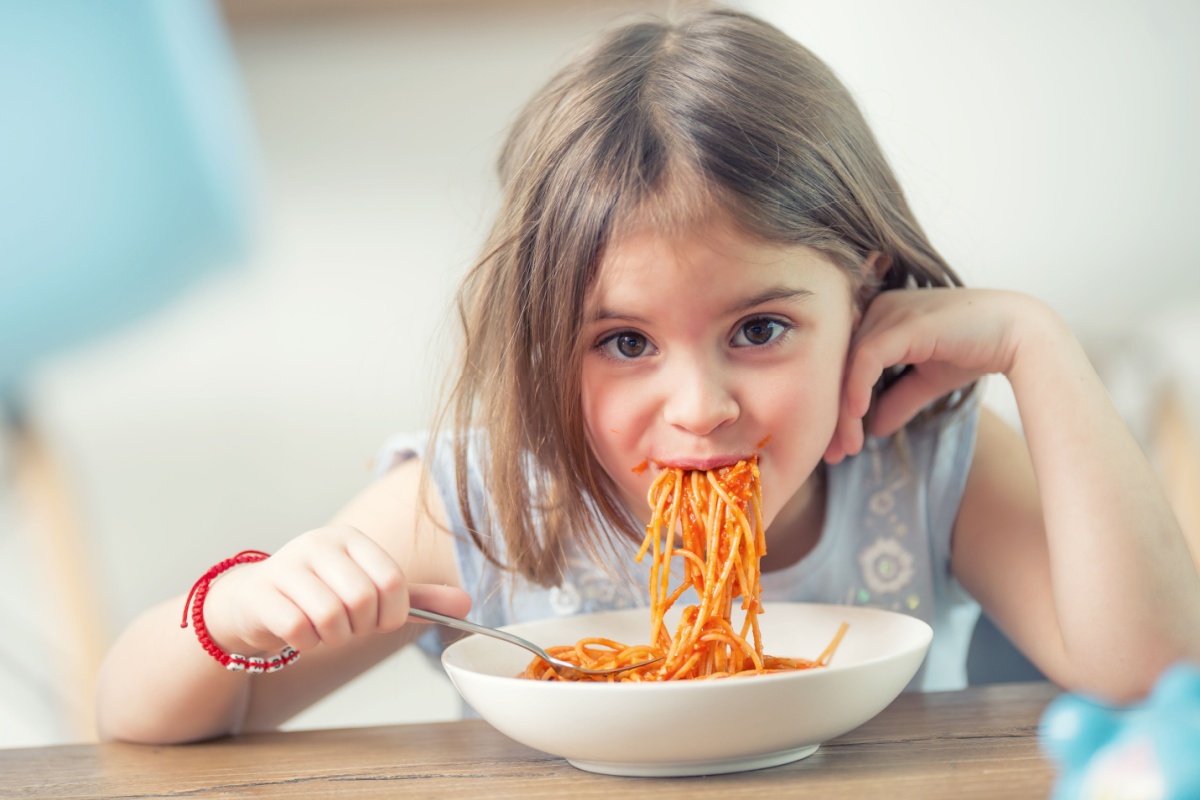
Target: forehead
713, 256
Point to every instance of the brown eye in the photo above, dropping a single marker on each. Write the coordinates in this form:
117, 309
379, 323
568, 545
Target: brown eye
631, 345
759, 331
626, 346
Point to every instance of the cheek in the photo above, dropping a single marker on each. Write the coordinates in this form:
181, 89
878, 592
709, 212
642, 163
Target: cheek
609, 417
799, 416
614, 417
799, 410
806, 394
598, 403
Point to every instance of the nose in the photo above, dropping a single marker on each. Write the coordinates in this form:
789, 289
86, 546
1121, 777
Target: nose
699, 399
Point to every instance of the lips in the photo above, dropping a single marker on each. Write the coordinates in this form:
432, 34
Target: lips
699, 463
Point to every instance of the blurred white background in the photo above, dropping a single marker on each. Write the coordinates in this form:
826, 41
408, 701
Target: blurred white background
1047, 147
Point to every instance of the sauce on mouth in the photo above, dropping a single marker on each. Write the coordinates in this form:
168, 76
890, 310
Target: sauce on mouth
642, 467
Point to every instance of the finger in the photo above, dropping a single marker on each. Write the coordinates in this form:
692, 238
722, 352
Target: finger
902, 401
863, 370
320, 605
354, 588
834, 452
891, 347
387, 578
446, 600
285, 624
847, 436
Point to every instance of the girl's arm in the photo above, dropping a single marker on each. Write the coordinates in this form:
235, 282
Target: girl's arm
339, 594
1068, 540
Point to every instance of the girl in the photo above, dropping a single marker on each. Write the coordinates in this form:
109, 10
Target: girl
702, 255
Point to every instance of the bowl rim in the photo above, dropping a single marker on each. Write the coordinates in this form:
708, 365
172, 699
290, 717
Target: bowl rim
922, 641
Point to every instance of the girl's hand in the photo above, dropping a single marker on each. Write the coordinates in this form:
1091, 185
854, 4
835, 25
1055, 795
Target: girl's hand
323, 587
948, 337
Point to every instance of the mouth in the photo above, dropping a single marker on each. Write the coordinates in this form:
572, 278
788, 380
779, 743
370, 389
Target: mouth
701, 464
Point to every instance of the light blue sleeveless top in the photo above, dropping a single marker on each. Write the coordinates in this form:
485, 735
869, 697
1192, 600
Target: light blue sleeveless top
889, 516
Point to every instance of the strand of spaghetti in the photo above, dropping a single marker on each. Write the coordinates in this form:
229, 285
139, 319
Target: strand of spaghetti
743, 577
659, 529
736, 651
698, 500
752, 588
675, 653
749, 566
748, 572
760, 541
731, 504
758, 648
656, 569
699, 525
720, 588
583, 645
745, 646
653, 533
656, 502
694, 573
688, 555
829, 650
712, 528
682, 671
665, 566
652, 492
670, 601
761, 538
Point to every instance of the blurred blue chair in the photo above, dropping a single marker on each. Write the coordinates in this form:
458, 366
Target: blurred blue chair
126, 174
124, 166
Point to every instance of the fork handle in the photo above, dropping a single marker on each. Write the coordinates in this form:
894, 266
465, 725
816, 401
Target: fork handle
471, 627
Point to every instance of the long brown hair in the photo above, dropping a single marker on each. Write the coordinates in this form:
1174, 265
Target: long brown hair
663, 121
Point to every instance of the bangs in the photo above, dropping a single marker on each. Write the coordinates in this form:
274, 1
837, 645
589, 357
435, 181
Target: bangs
681, 198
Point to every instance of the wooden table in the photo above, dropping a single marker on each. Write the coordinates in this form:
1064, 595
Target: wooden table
981, 742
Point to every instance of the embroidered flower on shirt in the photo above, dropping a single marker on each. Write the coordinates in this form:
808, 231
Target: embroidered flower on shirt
565, 599
886, 566
588, 588
882, 502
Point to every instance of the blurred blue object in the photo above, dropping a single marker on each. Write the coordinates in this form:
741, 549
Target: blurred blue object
126, 166
1149, 751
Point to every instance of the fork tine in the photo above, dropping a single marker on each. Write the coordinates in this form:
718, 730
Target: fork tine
567, 666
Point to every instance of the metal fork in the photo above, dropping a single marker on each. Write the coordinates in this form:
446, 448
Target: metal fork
564, 667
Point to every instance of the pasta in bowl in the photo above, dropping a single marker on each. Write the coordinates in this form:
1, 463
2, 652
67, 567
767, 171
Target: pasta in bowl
695, 727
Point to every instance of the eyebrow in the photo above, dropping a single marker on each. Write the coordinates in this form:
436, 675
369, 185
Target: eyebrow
773, 294
770, 295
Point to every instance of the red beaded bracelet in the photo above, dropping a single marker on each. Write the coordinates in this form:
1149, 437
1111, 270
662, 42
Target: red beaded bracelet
232, 661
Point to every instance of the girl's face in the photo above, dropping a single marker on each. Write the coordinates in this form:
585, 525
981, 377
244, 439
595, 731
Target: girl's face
707, 346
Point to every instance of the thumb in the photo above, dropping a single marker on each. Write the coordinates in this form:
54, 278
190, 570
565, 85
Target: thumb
446, 600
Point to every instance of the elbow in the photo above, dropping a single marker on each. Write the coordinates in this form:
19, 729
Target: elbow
132, 730
126, 715
1126, 678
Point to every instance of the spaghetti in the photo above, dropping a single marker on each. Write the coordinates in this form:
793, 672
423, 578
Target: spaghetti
711, 521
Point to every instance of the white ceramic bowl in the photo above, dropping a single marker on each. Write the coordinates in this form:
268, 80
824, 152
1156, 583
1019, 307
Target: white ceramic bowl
695, 727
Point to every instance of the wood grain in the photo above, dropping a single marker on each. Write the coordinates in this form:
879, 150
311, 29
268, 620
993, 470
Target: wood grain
981, 742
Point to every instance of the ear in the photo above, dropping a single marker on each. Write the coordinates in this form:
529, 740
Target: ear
875, 266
